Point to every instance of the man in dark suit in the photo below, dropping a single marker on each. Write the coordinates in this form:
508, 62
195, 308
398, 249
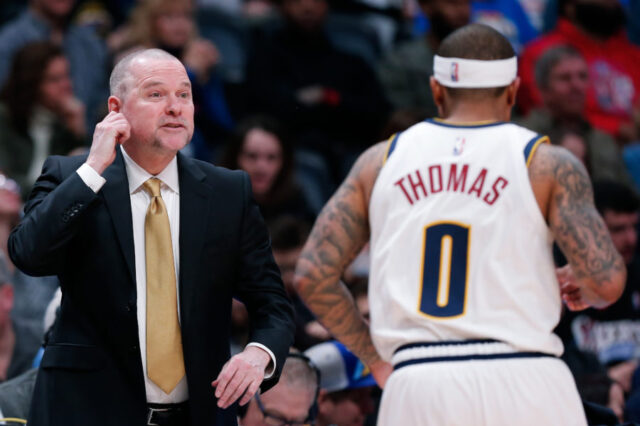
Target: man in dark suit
150, 247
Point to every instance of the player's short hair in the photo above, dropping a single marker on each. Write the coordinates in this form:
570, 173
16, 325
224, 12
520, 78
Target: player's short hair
480, 42
549, 59
118, 81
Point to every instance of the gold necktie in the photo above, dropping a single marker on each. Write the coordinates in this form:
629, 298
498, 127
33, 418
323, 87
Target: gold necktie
165, 361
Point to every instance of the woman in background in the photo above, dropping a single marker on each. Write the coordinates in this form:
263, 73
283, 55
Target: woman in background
39, 115
260, 148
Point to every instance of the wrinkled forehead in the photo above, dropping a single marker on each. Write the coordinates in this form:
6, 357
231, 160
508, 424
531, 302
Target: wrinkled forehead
163, 70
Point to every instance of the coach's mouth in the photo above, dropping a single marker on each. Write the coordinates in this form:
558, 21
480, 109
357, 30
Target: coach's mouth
173, 126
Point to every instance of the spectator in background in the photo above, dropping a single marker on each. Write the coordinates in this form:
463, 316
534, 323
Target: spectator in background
251, 9
30, 294
39, 114
405, 71
359, 289
331, 100
170, 25
562, 77
384, 16
346, 386
508, 18
19, 341
261, 148
288, 235
596, 29
50, 20
10, 205
291, 401
15, 395
573, 141
613, 334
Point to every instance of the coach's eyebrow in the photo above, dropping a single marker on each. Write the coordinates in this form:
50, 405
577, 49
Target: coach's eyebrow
154, 83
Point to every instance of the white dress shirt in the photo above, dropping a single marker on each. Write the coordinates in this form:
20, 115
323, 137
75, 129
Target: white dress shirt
140, 199
40, 130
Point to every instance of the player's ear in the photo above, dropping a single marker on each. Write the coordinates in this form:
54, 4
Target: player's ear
512, 91
437, 91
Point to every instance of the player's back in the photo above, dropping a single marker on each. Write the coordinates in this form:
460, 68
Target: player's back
460, 249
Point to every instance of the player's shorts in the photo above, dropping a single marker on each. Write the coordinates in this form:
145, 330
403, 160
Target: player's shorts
478, 383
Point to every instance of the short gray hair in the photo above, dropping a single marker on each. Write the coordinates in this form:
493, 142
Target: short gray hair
549, 59
120, 73
299, 374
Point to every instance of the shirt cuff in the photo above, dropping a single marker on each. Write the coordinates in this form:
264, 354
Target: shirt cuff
90, 177
271, 368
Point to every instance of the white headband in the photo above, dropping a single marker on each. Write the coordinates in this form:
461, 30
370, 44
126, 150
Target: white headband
474, 74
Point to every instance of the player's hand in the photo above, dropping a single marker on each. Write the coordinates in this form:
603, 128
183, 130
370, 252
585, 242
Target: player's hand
570, 291
111, 131
381, 371
241, 376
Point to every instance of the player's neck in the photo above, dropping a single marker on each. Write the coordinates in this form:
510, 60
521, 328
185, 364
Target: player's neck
472, 112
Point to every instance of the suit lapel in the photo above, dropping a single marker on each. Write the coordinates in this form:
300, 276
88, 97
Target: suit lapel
194, 204
118, 201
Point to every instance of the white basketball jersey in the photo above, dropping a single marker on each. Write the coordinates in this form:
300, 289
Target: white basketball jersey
459, 247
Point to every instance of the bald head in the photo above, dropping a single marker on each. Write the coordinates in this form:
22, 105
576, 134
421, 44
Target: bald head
119, 82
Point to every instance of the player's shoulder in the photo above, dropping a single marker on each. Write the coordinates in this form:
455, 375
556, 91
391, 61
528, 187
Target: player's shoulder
552, 162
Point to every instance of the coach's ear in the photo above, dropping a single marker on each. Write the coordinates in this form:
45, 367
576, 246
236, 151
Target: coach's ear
114, 103
437, 91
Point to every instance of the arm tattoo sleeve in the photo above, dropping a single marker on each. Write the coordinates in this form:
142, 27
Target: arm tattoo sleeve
340, 232
576, 224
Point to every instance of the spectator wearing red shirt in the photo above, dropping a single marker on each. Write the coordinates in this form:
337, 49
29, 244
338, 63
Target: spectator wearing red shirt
596, 29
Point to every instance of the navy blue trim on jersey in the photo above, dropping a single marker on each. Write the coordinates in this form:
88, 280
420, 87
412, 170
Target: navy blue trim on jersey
463, 125
392, 146
444, 343
472, 357
532, 145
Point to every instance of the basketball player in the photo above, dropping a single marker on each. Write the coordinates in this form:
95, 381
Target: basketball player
461, 213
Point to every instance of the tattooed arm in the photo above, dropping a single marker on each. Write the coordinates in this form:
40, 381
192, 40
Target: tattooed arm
340, 232
597, 273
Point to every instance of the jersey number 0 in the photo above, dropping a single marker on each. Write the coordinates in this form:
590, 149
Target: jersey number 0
443, 288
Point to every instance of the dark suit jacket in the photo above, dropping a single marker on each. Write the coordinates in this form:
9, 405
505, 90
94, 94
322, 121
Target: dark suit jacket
91, 371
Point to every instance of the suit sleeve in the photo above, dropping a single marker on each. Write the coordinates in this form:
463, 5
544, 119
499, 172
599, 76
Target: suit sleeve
56, 204
260, 287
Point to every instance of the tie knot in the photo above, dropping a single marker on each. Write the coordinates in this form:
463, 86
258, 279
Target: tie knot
152, 186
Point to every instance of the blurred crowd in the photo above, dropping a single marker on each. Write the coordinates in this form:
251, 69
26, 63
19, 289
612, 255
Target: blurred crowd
292, 91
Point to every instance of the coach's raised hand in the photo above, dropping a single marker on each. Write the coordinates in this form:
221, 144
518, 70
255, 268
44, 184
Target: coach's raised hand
113, 130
